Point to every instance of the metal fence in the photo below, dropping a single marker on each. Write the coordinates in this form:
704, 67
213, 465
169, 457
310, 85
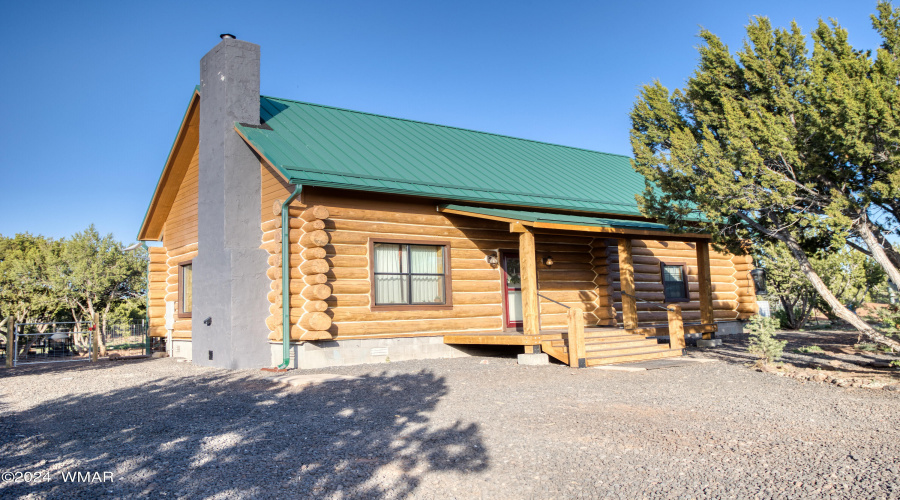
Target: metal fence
73, 341
126, 339
51, 342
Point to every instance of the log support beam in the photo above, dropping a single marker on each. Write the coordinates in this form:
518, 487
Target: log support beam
626, 284
705, 281
528, 268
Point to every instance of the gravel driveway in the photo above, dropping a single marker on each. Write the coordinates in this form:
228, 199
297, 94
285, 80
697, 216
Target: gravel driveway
462, 428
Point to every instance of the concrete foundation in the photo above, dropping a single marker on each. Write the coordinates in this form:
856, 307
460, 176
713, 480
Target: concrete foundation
709, 343
182, 349
324, 354
534, 359
728, 328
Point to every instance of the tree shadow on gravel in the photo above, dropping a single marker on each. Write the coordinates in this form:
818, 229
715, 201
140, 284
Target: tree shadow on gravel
224, 435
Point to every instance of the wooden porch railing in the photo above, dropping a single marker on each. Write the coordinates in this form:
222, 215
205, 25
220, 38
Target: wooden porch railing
576, 338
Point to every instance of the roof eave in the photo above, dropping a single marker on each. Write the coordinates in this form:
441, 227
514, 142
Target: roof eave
151, 229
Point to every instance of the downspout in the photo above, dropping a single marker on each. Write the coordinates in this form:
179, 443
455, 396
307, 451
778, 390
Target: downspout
286, 279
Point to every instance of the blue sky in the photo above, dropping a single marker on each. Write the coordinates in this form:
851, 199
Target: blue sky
93, 92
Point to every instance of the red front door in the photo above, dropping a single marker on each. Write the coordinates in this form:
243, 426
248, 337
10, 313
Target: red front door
512, 290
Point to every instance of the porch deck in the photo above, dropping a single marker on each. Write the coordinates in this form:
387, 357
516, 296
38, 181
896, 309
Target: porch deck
601, 345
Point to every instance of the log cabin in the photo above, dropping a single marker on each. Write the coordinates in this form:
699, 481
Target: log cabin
300, 235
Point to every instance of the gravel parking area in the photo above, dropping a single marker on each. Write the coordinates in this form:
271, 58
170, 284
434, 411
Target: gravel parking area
462, 428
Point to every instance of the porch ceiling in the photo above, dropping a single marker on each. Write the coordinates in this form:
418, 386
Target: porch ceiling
565, 222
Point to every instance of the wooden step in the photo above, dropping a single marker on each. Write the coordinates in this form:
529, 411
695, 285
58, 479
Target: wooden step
627, 344
559, 353
634, 357
626, 350
602, 340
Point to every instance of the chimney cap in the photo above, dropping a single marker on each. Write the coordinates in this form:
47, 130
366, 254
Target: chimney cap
225, 36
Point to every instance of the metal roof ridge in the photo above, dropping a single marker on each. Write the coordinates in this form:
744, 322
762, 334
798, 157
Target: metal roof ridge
447, 126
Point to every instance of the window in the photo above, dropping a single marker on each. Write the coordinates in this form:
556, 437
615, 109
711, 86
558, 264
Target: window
185, 289
409, 274
674, 282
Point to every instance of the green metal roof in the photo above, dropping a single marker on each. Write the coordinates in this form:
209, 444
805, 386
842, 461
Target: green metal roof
551, 218
325, 146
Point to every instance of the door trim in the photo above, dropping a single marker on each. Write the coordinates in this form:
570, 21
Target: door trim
507, 324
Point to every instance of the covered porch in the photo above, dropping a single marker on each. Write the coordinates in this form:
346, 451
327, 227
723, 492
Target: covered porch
621, 340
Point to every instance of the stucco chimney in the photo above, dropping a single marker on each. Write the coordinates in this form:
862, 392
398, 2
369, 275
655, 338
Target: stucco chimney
229, 283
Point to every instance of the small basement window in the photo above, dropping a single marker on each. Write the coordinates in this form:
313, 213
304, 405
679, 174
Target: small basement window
407, 274
674, 282
185, 289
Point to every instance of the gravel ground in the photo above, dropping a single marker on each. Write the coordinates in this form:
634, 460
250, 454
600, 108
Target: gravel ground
462, 428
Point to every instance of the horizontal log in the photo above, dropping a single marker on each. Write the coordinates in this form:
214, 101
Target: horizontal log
475, 286
315, 279
431, 219
183, 325
171, 296
415, 326
348, 261
317, 266
310, 254
316, 292
157, 267
184, 249
749, 308
311, 335
156, 311
470, 298
271, 224
273, 248
272, 236
351, 300
315, 212
470, 264
544, 286
364, 314
350, 286
157, 331
156, 286
472, 275
314, 239
573, 296
315, 306
315, 321
347, 273
360, 238
566, 276
407, 230
315, 225
157, 322
156, 250
158, 258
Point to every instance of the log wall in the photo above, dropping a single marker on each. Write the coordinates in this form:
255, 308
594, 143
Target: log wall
158, 272
330, 268
732, 291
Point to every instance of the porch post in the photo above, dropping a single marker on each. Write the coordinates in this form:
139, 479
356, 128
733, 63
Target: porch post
528, 273
703, 275
626, 285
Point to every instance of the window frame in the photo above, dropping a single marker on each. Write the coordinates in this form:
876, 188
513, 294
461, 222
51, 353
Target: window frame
179, 304
684, 280
448, 295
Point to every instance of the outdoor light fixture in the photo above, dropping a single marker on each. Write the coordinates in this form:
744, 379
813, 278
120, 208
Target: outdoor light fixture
759, 280
548, 261
492, 260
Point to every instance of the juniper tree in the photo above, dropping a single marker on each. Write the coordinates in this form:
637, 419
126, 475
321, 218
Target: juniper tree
775, 144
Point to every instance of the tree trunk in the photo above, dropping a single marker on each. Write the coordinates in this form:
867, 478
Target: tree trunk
839, 310
878, 253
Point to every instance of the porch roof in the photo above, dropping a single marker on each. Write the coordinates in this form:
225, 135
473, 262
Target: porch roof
549, 220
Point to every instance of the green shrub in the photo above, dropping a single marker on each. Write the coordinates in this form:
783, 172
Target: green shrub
762, 339
810, 349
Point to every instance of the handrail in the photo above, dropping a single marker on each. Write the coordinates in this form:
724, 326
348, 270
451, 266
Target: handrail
555, 302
